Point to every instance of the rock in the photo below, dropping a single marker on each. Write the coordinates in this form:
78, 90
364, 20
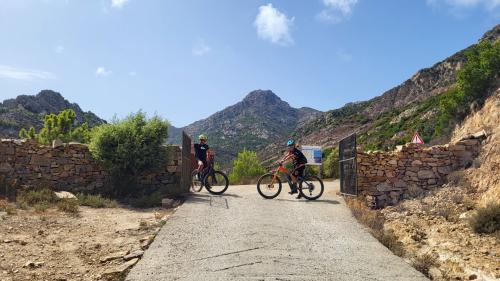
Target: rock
57, 143
32, 264
65, 195
113, 256
133, 255
119, 272
416, 163
472, 277
426, 174
5, 168
384, 187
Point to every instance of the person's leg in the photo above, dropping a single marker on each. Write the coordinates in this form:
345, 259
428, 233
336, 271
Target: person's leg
299, 172
293, 187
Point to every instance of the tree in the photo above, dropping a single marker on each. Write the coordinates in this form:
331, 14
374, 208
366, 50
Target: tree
58, 126
129, 147
246, 167
331, 164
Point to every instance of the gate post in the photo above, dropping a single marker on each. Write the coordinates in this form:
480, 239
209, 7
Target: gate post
348, 166
185, 182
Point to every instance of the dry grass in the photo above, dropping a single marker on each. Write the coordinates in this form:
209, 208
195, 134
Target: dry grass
68, 206
95, 201
374, 220
486, 219
424, 262
7, 207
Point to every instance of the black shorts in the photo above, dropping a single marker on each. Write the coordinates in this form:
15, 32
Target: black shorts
299, 171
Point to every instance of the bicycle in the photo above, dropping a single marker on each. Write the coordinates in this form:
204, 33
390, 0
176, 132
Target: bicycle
216, 182
269, 185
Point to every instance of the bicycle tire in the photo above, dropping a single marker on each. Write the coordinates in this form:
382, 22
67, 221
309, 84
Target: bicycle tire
309, 196
210, 188
196, 184
261, 182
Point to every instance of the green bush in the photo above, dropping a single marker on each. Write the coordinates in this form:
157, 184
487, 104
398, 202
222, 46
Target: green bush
95, 201
246, 167
58, 126
128, 147
486, 219
331, 164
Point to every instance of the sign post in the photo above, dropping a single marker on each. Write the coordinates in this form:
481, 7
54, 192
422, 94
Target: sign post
417, 139
313, 155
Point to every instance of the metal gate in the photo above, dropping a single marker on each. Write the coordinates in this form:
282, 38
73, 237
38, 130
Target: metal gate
185, 182
348, 166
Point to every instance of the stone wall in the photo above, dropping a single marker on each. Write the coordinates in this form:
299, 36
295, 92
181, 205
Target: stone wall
386, 178
70, 167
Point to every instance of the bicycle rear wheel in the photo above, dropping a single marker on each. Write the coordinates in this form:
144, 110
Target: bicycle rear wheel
311, 187
216, 182
268, 186
196, 184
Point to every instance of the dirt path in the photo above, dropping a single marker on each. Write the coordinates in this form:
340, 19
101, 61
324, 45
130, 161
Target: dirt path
241, 236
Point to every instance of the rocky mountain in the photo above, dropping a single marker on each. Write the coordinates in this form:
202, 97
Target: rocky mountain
391, 117
259, 119
26, 111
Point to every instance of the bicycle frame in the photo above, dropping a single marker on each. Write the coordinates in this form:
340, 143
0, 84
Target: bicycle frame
282, 170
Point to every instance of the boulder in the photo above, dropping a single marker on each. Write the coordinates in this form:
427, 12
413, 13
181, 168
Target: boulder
65, 195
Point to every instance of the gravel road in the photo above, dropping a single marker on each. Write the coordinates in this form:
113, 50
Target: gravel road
241, 236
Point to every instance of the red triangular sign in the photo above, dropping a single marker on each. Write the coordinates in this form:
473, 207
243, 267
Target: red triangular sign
417, 139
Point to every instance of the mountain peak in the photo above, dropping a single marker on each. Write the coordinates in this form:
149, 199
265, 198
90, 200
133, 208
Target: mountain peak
262, 96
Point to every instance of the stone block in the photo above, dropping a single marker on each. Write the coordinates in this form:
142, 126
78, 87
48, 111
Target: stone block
426, 174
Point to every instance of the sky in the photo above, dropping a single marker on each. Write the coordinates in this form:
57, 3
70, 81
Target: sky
187, 59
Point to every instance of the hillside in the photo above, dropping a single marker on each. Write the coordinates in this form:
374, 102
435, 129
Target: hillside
259, 119
390, 119
26, 111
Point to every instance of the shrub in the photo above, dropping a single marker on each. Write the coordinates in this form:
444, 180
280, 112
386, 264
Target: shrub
95, 201
41, 207
33, 197
486, 219
424, 262
371, 218
390, 240
148, 201
68, 206
128, 147
246, 167
7, 207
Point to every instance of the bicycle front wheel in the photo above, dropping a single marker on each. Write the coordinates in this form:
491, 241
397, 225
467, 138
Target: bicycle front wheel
311, 187
216, 182
196, 185
268, 186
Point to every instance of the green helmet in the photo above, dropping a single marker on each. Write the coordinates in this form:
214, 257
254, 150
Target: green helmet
203, 137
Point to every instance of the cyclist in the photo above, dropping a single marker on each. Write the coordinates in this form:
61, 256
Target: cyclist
201, 151
299, 164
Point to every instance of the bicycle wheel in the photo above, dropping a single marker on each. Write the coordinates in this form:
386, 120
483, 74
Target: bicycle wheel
267, 187
216, 182
196, 185
311, 187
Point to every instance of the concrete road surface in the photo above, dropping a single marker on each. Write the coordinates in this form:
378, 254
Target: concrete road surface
241, 236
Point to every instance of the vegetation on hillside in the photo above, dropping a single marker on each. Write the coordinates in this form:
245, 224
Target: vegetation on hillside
436, 117
129, 147
60, 126
246, 168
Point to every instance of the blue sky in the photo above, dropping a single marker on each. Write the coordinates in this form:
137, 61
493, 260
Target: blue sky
187, 59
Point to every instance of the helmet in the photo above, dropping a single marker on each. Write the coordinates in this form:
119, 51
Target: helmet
290, 142
203, 137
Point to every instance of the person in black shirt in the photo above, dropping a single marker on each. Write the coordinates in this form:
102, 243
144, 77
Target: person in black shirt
299, 164
201, 152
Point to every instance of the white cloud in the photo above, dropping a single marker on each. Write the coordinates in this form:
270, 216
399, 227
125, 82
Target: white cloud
273, 25
201, 48
24, 74
336, 11
101, 71
59, 49
463, 4
118, 3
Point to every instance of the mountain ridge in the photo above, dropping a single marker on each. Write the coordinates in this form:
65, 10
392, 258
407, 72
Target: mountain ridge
26, 111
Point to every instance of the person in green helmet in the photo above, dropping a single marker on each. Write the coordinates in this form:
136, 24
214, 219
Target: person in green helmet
201, 151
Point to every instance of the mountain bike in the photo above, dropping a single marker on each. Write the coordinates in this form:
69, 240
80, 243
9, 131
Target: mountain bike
269, 185
216, 182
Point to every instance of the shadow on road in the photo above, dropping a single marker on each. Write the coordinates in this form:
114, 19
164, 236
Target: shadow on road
334, 202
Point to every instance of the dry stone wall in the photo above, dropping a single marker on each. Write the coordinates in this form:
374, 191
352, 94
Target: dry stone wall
386, 178
70, 167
